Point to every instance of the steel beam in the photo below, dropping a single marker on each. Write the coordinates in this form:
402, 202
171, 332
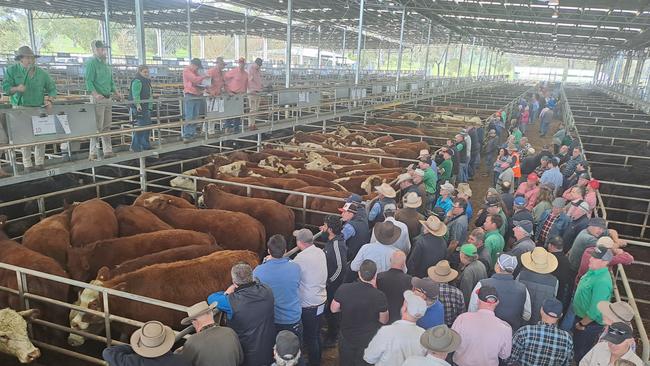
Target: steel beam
444, 66
189, 28
343, 48
318, 51
426, 55
30, 30
471, 60
460, 60
160, 45
287, 52
357, 70
400, 50
480, 60
246, 34
139, 32
107, 33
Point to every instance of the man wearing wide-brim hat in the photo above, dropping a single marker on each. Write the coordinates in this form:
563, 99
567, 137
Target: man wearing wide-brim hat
450, 296
410, 215
536, 276
380, 250
29, 86
150, 345
439, 341
429, 248
385, 195
212, 344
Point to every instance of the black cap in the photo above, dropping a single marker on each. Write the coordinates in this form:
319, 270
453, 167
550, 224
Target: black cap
259, 61
197, 62
488, 294
617, 333
552, 307
99, 44
287, 345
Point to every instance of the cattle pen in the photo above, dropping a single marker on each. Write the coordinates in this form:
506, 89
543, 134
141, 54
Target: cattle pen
351, 94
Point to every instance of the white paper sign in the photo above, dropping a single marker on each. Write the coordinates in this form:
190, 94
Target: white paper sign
303, 97
216, 105
206, 83
43, 125
63, 120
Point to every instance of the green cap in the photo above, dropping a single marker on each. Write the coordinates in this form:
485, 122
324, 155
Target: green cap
468, 249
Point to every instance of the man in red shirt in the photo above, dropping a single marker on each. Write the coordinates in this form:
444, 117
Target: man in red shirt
193, 91
236, 82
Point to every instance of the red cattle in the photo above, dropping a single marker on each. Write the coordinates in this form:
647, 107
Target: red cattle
279, 183
172, 200
330, 176
50, 237
276, 218
134, 220
91, 221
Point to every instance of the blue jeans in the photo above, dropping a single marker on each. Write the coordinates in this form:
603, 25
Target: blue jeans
140, 139
543, 127
474, 164
191, 109
311, 334
462, 173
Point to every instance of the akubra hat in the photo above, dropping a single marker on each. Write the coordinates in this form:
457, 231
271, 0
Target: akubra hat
154, 339
434, 226
442, 272
24, 51
197, 310
412, 200
539, 260
387, 233
440, 339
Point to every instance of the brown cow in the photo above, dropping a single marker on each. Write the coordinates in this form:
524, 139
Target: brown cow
134, 220
164, 256
279, 183
18, 255
233, 230
173, 200
282, 154
319, 174
296, 200
91, 221
343, 169
276, 218
314, 181
184, 282
50, 237
83, 263
364, 184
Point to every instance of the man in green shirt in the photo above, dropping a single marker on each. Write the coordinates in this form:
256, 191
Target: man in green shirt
430, 180
447, 166
493, 241
29, 86
595, 286
99, 82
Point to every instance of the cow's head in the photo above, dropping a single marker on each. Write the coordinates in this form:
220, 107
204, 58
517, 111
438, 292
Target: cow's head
14, 340
184, 182
370, 182
156, 202
342, 131
87, 322
232, 169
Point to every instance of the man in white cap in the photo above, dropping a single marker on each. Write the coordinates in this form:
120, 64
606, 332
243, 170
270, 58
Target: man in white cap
536, 276
439, 342
99, 82
380, 250
150, 345
212, 344
403, 243
394, 343
514, 299
385, 196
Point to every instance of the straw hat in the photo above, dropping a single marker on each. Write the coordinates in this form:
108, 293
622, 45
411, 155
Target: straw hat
434, 226
154, 339
442, 272
465, 189
386, 190
404, 177
197, 310
539, 261
412, 200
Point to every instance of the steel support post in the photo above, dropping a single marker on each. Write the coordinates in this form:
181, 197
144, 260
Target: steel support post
400, 50
627, 67
357, 71
287, 66
426, 54
160, 45
480, 61
444, 65
236, 46
596, 72
379, 56
265, 48
139, 32
460, 60
246, 34
189, 28
343, 48
638, 70
202, 46
471, 60
107, 33
30, 30
388, 59
488, 65
318, 51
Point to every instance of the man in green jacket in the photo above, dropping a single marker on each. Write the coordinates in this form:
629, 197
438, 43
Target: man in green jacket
99, 82
29, 86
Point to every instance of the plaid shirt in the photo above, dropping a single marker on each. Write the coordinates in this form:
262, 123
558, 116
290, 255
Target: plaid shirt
541, 344
546, 228
452, 300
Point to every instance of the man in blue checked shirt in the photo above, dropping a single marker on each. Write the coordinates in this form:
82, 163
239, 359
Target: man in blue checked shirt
543, 343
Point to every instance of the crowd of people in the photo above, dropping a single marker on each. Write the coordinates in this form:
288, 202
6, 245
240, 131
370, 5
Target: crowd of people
418, 276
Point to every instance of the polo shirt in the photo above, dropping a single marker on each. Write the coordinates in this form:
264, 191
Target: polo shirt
594, 286
446, 168
484, 339
99, 77
394, 343
361, 305
313, 276
494, 243
430, 180
236, 81
283, 277
377, 252
435, 315
36, 86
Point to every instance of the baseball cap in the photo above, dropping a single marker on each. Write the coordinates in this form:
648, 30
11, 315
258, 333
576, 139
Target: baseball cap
304, 235
426, 285
390, 207
526, 225
602, 253
532, 177
552, 307
426, 160
287, 345
415, 305
469, 250
197, 62
449, 151
617, 333
349, 207
558, 202
519, 201
507, 262
354, 198
597, 222
98, 44
419, 172
488, 294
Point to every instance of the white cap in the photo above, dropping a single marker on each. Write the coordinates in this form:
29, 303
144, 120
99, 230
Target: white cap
415, 305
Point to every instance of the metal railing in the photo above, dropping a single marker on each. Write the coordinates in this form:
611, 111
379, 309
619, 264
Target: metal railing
620, 270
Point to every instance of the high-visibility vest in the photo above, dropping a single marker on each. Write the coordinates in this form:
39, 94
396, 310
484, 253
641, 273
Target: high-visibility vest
516, 167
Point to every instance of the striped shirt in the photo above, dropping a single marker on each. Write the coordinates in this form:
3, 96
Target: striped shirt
541, 344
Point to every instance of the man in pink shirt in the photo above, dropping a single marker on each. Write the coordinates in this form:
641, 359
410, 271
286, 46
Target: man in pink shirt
530, 190
254, 88
216, 87
236, 82
193, 91
484, 338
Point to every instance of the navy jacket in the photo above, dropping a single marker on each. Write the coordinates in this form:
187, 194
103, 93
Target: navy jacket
123, 355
